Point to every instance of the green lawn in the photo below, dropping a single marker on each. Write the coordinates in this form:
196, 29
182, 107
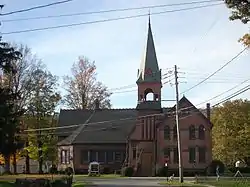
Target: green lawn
6, 184
79, 185
229, 183
185, 184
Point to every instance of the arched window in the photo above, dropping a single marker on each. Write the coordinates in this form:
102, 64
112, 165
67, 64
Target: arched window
149, 94
192, 132
175, 132
166, 132
201, 132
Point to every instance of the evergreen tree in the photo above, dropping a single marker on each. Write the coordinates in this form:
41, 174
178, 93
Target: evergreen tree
9, 126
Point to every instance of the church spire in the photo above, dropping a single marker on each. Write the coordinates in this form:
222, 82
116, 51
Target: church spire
149, 69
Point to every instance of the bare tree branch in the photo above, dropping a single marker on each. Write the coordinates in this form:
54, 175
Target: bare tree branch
82, 87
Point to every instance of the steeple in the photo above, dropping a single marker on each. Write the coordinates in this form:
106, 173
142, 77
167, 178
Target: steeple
149, 69
149, 77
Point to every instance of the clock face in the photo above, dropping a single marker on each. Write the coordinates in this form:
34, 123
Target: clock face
148, 72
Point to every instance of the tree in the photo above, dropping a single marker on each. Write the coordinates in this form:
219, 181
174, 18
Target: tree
231, 131
43, 100
8, 116
240, 11
19, 83
83, 88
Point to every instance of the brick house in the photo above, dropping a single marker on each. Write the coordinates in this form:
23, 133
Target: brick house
143, 137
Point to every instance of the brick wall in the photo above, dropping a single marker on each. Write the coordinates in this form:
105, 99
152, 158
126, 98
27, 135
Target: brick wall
196, 120
106, 150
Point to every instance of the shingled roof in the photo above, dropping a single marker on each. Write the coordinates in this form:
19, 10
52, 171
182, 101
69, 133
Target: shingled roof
100, 126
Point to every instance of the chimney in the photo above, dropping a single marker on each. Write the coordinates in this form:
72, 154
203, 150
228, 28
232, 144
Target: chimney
97, 104
208, 111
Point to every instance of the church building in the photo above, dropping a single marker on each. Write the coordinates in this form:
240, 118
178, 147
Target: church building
144, 137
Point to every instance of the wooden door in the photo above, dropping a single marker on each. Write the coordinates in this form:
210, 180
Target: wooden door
146, 164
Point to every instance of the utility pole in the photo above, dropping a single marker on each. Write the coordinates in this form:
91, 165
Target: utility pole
177, 126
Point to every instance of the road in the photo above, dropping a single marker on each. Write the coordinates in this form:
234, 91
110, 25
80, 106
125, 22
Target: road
123, 182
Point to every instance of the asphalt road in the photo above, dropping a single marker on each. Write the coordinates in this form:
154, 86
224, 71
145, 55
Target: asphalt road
123, 182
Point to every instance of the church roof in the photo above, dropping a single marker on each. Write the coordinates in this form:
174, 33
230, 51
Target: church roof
100, 126
149, 69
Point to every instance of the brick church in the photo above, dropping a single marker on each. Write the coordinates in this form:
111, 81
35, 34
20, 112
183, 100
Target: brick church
144, 137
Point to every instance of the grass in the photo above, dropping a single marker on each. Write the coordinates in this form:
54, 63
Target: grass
229, 183
21, 176
185, 184
6, 184
77, 184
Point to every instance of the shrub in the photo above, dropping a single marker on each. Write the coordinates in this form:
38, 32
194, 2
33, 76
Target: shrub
127, 171
53, 169
241, 169
7, 173
106, 170
213, 165
59, 183
163, 172
61, 171
69, 171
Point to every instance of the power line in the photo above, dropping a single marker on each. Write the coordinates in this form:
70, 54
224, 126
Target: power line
246, 88
110, 10
106, 20
134, 118
36, 7
117, 120
235, 57
164, 76
224, 92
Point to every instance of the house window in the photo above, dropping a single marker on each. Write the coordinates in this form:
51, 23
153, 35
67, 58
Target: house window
167, 152
65, 157
175, 132
176, 156
118, 156
192, 154
92, 156
192, 132
134, 153
202, 154
201, 132
101, 156
166, 132
84, 156
110, 156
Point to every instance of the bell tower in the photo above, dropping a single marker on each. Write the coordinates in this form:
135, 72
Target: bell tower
149, 77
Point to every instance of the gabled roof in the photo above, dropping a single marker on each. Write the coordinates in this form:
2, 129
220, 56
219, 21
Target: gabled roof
149, 63
104, 125
187, 108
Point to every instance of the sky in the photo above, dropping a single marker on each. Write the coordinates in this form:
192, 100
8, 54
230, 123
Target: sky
198, 41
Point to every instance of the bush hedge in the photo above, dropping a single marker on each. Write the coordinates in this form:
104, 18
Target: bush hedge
53, 169
162, 172
211, 170
127, 171
242, 169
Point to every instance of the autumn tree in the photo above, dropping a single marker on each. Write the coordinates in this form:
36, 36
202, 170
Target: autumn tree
42, 103
231, 131
83, 88
19, 82
240, 11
